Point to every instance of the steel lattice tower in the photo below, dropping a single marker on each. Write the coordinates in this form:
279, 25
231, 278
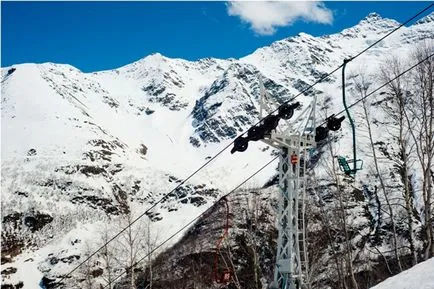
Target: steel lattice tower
297, 136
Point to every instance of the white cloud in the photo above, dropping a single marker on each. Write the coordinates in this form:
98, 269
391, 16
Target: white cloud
265, 16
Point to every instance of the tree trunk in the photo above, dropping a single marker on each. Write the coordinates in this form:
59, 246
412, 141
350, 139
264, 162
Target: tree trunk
342, 216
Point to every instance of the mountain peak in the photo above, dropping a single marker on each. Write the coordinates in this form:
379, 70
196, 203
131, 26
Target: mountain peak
373, 16
151, 60
427, 19
155, 57
373, 21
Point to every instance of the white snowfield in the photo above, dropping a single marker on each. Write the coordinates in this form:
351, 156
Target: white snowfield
420, 276
72, 142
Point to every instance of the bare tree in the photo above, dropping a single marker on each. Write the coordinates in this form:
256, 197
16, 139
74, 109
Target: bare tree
395, 107
130, 243
87, 270
341, 221
417, 108
361, 88
150, 245
197, 266
422, 110
130, 246
230, 261
331, 242
251, 219
107, 257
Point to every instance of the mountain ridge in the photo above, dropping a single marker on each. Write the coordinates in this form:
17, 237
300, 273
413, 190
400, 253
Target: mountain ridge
89, 144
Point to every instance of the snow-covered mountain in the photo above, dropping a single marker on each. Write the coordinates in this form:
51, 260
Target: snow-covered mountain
81, 150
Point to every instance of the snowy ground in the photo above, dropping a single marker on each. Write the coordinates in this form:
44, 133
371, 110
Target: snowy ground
57, 110
420, 276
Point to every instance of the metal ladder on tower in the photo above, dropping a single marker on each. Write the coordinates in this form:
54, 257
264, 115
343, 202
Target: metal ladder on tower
305, 176
291, 259
301, 220
302, 236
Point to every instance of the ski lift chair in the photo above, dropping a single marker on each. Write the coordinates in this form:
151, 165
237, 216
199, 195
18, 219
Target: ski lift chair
344, 165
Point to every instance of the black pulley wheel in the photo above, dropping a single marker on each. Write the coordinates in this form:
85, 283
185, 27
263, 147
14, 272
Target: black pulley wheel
334, 123
321, 133
286, 111
240, 145
334, 126
271, 122
255, 133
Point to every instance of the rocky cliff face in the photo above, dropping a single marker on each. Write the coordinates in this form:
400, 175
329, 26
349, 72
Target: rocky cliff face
80, 150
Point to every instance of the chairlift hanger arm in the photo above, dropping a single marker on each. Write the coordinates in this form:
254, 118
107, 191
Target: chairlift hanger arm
348, 114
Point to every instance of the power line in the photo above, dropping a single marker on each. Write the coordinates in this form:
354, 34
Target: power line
144, 213
227, 146
383, 85
354, 57
382, 38
399, 75
339, 67
189, 223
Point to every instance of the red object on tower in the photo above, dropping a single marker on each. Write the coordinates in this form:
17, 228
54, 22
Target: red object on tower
294, 158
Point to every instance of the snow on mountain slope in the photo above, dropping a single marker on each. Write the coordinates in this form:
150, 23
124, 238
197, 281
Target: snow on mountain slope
86, 146
76, 147
418, 277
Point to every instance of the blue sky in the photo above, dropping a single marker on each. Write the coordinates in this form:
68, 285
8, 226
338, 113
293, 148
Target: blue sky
96, 36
